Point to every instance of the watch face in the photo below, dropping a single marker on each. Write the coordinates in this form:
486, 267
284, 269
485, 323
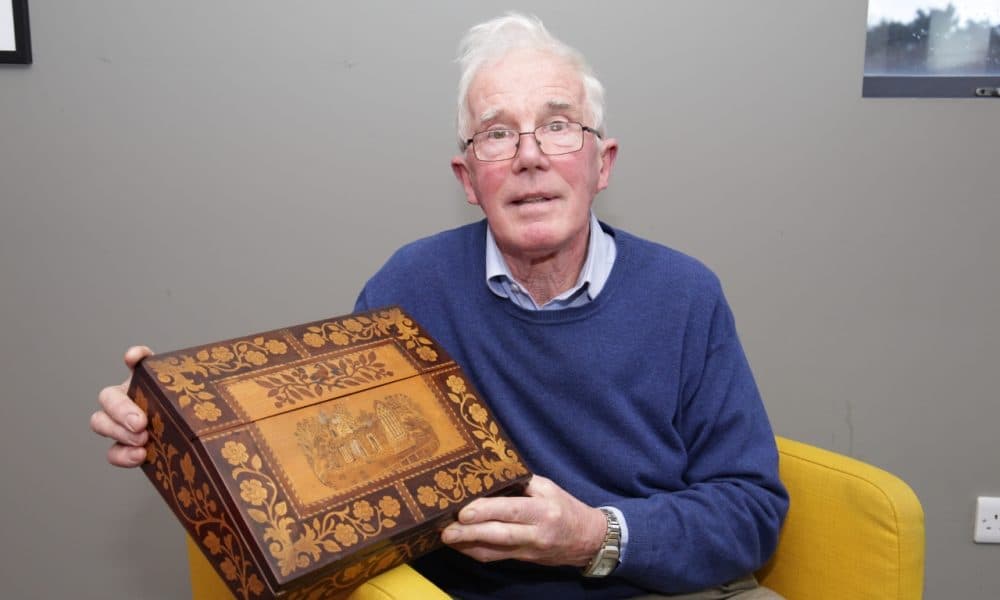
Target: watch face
604, 564
605, 568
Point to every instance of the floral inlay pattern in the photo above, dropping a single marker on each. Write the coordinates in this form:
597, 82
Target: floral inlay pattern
362, 328
333, 587
471, 477
293, 546
175, 474
180, 374
310, 381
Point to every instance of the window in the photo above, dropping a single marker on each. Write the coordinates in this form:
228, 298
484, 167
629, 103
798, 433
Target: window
933, 48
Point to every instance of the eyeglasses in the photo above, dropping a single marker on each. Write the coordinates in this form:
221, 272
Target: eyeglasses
557, 137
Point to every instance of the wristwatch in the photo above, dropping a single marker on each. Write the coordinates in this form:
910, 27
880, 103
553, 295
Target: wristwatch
606, 559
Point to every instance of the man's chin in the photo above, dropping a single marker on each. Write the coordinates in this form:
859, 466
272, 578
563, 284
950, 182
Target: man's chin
538, 245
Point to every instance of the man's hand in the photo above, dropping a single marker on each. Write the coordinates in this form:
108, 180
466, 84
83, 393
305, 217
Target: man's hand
121, 420
547, 526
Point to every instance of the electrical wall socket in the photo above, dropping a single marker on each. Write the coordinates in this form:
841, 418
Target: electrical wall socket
987, 520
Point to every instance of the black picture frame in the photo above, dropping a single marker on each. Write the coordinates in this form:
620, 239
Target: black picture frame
16, 10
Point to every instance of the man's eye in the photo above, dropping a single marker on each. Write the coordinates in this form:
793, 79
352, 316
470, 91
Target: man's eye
498, 134
556, 126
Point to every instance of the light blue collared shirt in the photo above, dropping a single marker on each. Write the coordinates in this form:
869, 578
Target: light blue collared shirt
596, 269
601, 253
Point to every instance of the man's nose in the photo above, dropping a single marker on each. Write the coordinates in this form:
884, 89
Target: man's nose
529, 152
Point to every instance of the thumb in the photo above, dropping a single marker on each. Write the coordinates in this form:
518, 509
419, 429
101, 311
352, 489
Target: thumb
540, 487
136, 353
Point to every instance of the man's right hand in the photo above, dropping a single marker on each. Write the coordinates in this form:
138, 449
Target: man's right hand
121, 420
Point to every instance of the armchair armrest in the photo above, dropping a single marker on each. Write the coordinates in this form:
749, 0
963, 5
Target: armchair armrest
852, 531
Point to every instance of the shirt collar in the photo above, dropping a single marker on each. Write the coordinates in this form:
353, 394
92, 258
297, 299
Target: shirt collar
593, 275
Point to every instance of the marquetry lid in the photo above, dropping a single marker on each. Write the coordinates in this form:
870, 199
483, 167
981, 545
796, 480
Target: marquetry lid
226, 384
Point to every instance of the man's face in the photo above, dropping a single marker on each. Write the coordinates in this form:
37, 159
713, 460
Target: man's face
536, 205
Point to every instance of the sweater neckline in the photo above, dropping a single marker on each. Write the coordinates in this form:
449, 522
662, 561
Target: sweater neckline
564, 315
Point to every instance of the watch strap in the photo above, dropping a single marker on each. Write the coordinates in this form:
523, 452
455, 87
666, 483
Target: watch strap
606, 559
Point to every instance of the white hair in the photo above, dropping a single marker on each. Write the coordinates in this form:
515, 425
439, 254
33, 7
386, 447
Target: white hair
489, 42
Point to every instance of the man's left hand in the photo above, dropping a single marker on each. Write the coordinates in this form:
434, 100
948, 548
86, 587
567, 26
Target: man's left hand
547, 526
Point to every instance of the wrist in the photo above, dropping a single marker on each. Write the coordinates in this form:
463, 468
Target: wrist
591, 536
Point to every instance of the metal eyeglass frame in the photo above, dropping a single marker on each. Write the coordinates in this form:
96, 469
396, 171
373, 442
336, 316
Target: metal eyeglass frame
533, 133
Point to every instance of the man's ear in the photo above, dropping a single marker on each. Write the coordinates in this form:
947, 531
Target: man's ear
463, 174
609, 153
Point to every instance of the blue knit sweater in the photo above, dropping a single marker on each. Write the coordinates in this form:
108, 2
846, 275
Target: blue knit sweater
642, 400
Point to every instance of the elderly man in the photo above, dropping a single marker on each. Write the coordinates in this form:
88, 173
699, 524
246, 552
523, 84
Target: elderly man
611, 361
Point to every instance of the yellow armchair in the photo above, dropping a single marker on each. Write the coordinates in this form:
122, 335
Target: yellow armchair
853, 531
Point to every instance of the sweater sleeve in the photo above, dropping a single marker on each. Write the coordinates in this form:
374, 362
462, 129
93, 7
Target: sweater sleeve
725, 523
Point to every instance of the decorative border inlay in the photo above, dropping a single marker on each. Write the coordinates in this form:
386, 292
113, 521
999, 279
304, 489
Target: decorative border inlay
296, 546
196, 503
460, 482
176, 372
378, 324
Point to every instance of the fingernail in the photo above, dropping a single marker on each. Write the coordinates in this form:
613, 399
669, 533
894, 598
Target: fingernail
468, 514
133, 421
449, 535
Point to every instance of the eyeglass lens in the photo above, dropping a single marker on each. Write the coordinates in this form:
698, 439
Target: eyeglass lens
558, 137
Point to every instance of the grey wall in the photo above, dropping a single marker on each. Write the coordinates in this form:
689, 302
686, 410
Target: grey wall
174, 173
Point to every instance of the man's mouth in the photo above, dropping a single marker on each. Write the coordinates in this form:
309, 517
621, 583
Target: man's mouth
531, 200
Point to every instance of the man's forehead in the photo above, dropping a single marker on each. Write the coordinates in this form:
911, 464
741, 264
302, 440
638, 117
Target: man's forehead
493, 113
